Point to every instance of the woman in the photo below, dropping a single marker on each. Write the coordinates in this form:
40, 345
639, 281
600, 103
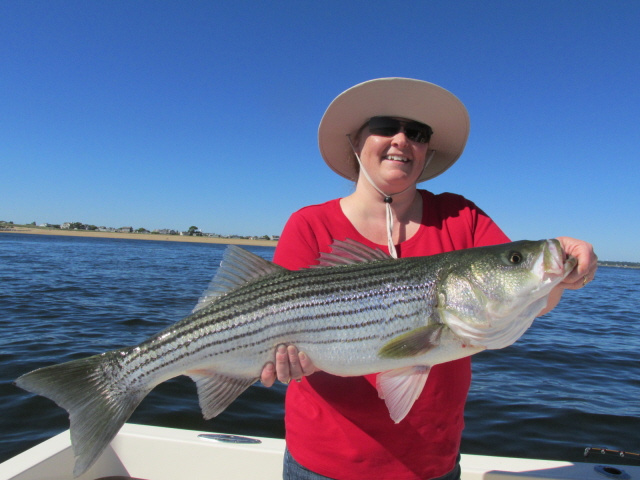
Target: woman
387, 135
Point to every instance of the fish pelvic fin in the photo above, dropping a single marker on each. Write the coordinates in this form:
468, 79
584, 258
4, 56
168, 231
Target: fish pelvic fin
92, 392
412, 343
400, 389
238, 267
217, 391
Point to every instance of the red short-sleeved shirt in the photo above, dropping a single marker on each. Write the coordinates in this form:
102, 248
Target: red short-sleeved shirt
337, 426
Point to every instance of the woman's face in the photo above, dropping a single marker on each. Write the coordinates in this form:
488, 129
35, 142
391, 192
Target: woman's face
394, 162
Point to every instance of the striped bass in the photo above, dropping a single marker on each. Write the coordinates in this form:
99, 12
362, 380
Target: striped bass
361, 313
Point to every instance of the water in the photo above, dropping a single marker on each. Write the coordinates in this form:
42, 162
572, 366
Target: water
572, 381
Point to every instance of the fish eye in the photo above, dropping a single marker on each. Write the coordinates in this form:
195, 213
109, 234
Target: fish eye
515, 258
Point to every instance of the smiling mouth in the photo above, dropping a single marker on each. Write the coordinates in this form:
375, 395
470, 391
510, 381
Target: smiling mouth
396, 158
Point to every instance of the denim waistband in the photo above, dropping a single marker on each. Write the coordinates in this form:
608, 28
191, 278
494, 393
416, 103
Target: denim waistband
294, 471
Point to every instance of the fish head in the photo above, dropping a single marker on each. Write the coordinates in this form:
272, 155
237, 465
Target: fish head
491, 296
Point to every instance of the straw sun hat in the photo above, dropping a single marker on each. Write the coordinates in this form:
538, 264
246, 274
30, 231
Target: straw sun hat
394, 97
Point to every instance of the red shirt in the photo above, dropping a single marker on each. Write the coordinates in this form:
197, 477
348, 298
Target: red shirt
337, 426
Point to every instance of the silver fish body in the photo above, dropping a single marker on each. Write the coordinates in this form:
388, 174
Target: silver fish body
361, 313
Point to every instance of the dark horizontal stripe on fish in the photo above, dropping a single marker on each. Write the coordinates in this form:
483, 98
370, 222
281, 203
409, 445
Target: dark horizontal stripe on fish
162, 350
306, 341
350, 277
216, 314
284, 289
221, 320
255, 316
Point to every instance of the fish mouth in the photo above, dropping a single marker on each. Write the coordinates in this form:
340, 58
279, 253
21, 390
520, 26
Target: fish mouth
554, 262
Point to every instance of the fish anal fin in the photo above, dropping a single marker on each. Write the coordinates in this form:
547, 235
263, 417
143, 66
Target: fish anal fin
412, 343
217, 391
400, 388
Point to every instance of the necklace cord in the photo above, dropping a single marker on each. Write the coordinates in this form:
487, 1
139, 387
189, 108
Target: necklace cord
388, 200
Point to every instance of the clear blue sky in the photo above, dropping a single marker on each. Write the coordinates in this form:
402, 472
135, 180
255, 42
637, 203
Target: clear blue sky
167, 114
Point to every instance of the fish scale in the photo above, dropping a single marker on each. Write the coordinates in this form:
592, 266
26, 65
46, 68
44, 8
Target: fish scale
298, 315
360, 313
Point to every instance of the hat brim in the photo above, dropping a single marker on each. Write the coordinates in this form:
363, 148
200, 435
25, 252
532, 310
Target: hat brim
396, 97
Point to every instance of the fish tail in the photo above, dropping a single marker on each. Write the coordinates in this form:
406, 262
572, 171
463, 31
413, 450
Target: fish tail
96, 394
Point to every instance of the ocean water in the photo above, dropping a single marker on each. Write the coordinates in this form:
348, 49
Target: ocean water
572, 381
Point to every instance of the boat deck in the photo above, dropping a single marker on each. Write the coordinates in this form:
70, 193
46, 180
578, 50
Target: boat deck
155, 453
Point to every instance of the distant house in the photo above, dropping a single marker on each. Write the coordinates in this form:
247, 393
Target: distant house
165, 231
125, 230
65, 226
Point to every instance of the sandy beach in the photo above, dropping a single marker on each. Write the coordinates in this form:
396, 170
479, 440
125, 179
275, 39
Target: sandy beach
139, 236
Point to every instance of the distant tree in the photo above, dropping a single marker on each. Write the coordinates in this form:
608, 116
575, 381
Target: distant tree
91, 227
192, 230
76, 226
266, 237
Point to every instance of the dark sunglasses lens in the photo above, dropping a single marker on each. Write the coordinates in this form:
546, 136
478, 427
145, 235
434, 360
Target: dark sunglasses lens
384, 126
387, 127
417, 133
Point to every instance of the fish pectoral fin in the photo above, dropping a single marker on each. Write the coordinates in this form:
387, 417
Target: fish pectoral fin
217, 391
400, 388
415, 342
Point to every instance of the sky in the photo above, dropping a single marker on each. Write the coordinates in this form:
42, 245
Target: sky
168, 114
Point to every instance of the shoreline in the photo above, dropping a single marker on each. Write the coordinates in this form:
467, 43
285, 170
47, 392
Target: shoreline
141, 236
181, 238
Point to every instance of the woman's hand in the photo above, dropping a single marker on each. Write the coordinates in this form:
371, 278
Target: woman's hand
583, 273
585, 270
290, 365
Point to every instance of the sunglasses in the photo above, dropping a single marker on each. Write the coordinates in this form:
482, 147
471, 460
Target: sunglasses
388, 127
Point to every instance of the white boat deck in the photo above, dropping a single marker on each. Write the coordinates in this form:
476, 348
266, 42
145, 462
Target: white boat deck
154, 453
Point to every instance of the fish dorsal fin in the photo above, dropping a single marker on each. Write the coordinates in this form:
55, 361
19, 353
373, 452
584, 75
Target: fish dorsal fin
348, 252
400, 388
237, 268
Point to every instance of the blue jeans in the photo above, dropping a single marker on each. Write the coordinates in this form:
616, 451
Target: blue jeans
294, 471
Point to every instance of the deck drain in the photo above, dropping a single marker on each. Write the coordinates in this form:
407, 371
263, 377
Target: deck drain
612, 472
